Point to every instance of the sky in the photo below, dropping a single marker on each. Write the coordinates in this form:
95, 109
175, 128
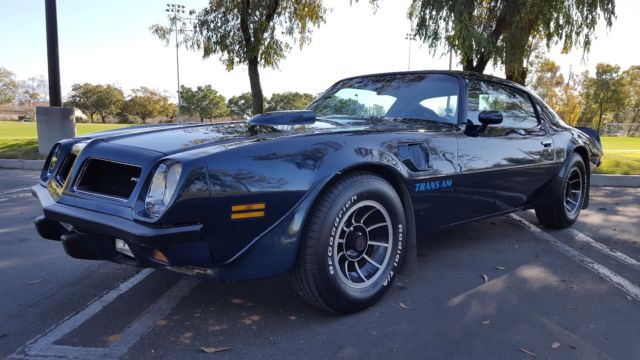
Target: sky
109, 42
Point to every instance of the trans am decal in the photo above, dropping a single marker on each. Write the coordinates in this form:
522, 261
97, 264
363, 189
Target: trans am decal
434, 185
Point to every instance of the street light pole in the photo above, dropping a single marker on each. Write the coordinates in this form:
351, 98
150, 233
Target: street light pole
450, 41
178, 71
176, 10
55, 95
410, 36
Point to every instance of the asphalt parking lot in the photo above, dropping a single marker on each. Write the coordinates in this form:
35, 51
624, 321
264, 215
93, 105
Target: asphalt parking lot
498, 289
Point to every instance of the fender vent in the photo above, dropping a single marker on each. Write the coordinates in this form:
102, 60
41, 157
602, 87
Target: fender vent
415, 156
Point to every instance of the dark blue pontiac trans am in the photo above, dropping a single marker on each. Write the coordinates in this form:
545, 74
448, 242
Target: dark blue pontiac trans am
335, 195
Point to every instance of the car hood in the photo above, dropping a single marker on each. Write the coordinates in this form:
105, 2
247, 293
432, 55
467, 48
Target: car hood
172, 138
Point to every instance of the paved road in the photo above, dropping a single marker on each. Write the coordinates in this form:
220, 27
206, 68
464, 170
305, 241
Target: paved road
556, 294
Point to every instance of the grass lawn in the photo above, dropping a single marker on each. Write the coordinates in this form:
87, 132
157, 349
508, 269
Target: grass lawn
18, 140
617, 161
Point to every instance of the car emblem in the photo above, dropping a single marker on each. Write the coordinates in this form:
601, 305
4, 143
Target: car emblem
134, 179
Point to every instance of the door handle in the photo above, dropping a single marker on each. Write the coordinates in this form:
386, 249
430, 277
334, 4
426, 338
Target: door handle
546, 143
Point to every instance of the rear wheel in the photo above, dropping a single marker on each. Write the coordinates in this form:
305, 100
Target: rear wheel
569, 197
352, 244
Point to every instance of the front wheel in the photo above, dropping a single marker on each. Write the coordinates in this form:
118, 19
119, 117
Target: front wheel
569, 197
352, 245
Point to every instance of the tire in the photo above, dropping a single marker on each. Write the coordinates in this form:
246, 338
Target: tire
568, 197
352, 245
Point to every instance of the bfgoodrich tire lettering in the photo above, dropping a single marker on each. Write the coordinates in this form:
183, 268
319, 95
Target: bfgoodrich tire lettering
353, 244
569, 197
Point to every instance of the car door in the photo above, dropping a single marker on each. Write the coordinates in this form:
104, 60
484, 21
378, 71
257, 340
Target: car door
500, 166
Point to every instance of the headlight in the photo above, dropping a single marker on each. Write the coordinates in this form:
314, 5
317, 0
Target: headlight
54, 160
163, 187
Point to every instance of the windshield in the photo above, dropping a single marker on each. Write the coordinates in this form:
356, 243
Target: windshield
429, 97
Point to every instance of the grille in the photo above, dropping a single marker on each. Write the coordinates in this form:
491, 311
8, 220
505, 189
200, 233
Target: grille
108, 178
61, 177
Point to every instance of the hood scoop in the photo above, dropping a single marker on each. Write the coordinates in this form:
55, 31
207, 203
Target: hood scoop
292, 117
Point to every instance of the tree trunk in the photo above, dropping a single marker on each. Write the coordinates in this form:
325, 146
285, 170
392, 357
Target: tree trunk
516, 54
515, 70
256, 88
102, 118
599, 119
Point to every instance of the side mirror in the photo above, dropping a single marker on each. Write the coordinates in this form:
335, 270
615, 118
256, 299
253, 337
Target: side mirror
490, 117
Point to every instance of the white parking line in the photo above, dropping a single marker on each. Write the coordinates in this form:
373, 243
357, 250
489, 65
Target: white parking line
602, 271
604, 249
14, 196
14, 191
44, 347
42, 344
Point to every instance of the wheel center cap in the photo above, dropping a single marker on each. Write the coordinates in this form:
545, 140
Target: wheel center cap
356, 242
361, 242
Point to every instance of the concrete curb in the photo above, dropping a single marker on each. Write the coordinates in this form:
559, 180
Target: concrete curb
21, 164
596, 179
615, 180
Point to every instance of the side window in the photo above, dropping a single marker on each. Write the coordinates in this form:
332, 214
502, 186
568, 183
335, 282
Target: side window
515, 106
545, 115
445, 107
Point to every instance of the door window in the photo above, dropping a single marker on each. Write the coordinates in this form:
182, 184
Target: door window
515, 106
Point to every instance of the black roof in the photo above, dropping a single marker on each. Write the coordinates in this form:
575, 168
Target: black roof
456, 73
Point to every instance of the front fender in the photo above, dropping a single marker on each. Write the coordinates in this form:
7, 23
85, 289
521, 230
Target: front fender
287, 178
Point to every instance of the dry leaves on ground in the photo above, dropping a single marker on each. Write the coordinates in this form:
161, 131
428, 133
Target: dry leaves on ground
404, 306
530, 353
211, 350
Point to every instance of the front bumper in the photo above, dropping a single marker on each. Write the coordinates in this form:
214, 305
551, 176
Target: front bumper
88, 234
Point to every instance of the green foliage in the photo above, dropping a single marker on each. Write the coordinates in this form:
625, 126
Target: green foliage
631, 79
8, 86
546, 81
605, 93
103, 100
170, 111
204, 101
288, 101
146, 103
480, 31
240, 105
256, 33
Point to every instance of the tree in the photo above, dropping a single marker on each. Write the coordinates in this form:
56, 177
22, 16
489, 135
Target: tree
146, 103
170, 110
605, 92
569, 104
546, 81
241, 105
204, 101
8, 86
631, 79
33, 89
103, 100
252, 32
505, 32
188, 101
288, 101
